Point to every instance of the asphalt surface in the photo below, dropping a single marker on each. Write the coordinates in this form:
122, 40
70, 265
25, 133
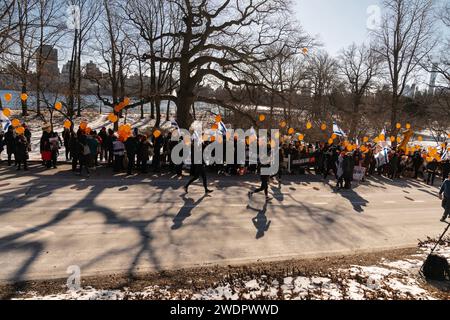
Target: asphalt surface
51, 220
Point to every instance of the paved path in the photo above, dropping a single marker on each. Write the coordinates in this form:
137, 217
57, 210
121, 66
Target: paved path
50, 220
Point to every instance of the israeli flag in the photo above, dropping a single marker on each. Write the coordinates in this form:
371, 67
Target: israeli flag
445, 155
4, 121
338, 131
222, 128
174, 124
382, 158
197, 139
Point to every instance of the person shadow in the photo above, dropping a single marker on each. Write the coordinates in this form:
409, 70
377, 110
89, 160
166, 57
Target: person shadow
260, 221
185, 211
354, 198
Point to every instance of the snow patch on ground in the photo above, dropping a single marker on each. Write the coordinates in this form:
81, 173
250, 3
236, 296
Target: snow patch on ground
387, 280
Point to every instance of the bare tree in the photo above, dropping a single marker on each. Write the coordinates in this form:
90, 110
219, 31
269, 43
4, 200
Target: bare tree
50, 32
359, 66
322, 74
219, 39
404, 40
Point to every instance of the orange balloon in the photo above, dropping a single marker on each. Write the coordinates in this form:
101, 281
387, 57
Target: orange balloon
323, 127
420, 138
214, 126
291, 131
88, 130
83, 125
8, 97
126, 101
157, 133
218, 118
67, 124
309, 125
20, 130
366, 139
398, 126
393, 139
333, 136
408, 126
24, 97
381, 137
330, 141
6, 112
15, 123
262, 118
112, 118
301, 137
399, 140
58, 106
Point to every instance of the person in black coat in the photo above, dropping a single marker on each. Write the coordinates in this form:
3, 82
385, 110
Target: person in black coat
75, 150
198, 170
66, 138
431, 171
264, 183
348, 167
21, 152
10, 143
445, 169
131, 146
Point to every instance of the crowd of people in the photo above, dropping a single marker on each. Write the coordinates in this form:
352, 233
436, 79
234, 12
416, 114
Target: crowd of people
86, 149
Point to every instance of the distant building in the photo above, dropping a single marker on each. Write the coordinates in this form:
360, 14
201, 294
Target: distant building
433, 77
65, 72
410, 91
47, 61
92, 71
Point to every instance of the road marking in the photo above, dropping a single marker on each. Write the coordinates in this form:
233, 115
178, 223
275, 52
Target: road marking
390, 202
419, 201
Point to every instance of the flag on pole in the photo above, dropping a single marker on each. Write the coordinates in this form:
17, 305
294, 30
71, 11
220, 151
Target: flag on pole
174, 124
222, 128
445, 155
4, 121
338, 131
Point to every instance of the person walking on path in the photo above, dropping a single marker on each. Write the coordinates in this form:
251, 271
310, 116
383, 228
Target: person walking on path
264, 183
199, 171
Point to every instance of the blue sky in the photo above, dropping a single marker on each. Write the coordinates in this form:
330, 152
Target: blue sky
338, 23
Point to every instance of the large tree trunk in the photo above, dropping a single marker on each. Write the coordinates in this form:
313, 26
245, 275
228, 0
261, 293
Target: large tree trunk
184, 116
158, 112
